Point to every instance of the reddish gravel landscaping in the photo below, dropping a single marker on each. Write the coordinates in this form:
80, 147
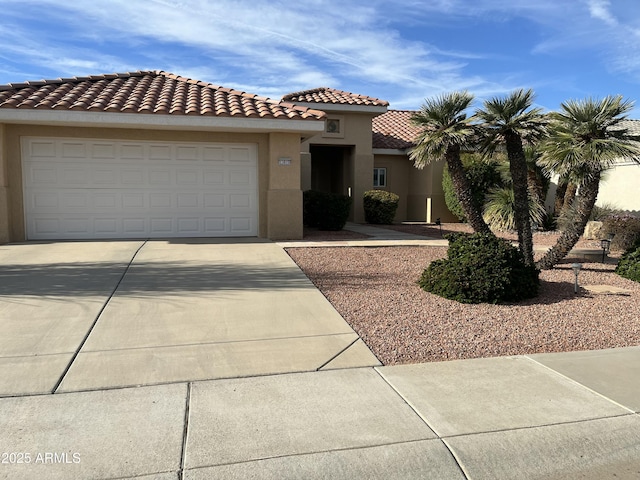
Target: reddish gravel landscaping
375, 290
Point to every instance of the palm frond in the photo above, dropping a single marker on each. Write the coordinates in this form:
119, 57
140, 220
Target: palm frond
444, 124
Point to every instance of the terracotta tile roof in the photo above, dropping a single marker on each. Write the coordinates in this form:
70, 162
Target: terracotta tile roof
332, 96
150, 92
633, 126
394, 130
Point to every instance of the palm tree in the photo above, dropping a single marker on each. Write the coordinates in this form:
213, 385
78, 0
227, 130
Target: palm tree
446, 130
587, 138
510, 120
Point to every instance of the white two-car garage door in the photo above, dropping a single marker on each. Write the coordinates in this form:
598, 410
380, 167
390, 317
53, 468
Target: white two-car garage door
77, 188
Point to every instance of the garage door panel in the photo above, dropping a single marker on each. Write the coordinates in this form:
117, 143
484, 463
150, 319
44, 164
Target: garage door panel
138, 189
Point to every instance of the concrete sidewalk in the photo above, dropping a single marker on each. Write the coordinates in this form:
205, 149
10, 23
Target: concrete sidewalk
568, 415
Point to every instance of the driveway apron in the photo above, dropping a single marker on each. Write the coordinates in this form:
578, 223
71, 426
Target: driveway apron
50, 297
212, 308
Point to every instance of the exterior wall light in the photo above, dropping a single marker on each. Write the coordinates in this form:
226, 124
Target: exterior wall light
576, 270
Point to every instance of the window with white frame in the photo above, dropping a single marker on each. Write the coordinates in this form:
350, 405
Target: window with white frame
379, 177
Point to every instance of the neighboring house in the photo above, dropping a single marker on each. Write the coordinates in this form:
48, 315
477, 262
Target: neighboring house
148, 154
620, 187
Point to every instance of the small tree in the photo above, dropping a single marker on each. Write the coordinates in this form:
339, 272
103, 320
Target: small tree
446, 130
512, 122
587, 138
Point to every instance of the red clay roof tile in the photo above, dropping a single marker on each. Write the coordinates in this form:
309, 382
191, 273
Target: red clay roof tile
332, 96
148, 92
394, 130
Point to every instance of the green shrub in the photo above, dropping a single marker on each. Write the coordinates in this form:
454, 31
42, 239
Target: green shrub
480, 268
629, 264
326, 211
625, 228
380, 206
483, 176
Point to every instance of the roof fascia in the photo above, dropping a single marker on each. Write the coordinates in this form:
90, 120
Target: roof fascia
390, 151
336, 107
156, 121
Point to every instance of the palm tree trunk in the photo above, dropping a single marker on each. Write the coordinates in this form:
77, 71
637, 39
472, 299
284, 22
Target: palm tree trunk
561, 191
569, 237
569, 196
535, 185
463, 190
518, 169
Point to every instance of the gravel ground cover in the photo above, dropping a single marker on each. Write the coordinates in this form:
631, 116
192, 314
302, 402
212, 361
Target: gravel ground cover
375, 290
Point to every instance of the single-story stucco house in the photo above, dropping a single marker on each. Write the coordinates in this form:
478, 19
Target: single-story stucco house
153, 154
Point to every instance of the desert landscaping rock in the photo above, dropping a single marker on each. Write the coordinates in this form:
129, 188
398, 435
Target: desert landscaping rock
375, 290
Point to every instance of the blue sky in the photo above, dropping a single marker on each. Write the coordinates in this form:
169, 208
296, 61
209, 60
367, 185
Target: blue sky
399, 50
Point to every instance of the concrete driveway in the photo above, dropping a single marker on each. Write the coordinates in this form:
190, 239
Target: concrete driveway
93, 315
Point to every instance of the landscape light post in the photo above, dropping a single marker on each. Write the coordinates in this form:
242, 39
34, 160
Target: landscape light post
576, 270
605, 245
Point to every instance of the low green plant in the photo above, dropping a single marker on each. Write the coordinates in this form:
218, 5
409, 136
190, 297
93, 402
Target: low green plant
499, 211
480, 268
326, 211
629, 264
625, 229
380, 206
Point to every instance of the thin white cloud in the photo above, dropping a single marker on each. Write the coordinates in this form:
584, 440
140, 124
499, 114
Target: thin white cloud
287, 43
600, 9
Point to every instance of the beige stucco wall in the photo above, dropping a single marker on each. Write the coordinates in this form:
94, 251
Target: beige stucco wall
272, 188
4, 190
398, 172
420, 190
284, 197
356, 133
620, 187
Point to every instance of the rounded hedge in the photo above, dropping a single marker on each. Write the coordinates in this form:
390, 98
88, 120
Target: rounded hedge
480, 268
326, 211
380, 206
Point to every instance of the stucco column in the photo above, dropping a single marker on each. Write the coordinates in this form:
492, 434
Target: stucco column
284, 196
4, 189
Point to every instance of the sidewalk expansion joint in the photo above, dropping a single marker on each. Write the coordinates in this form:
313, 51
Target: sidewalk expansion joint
183, 453
544, 425
220, 342
86, 337
440, 438
337, 354
575, 382
315, 452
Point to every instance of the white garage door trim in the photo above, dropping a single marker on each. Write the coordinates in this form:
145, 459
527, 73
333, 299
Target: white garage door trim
93, 188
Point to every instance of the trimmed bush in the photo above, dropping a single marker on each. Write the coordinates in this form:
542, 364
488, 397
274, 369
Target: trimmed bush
482, 175
326, 211
626, 229
629, 264
380, 206
480, 268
